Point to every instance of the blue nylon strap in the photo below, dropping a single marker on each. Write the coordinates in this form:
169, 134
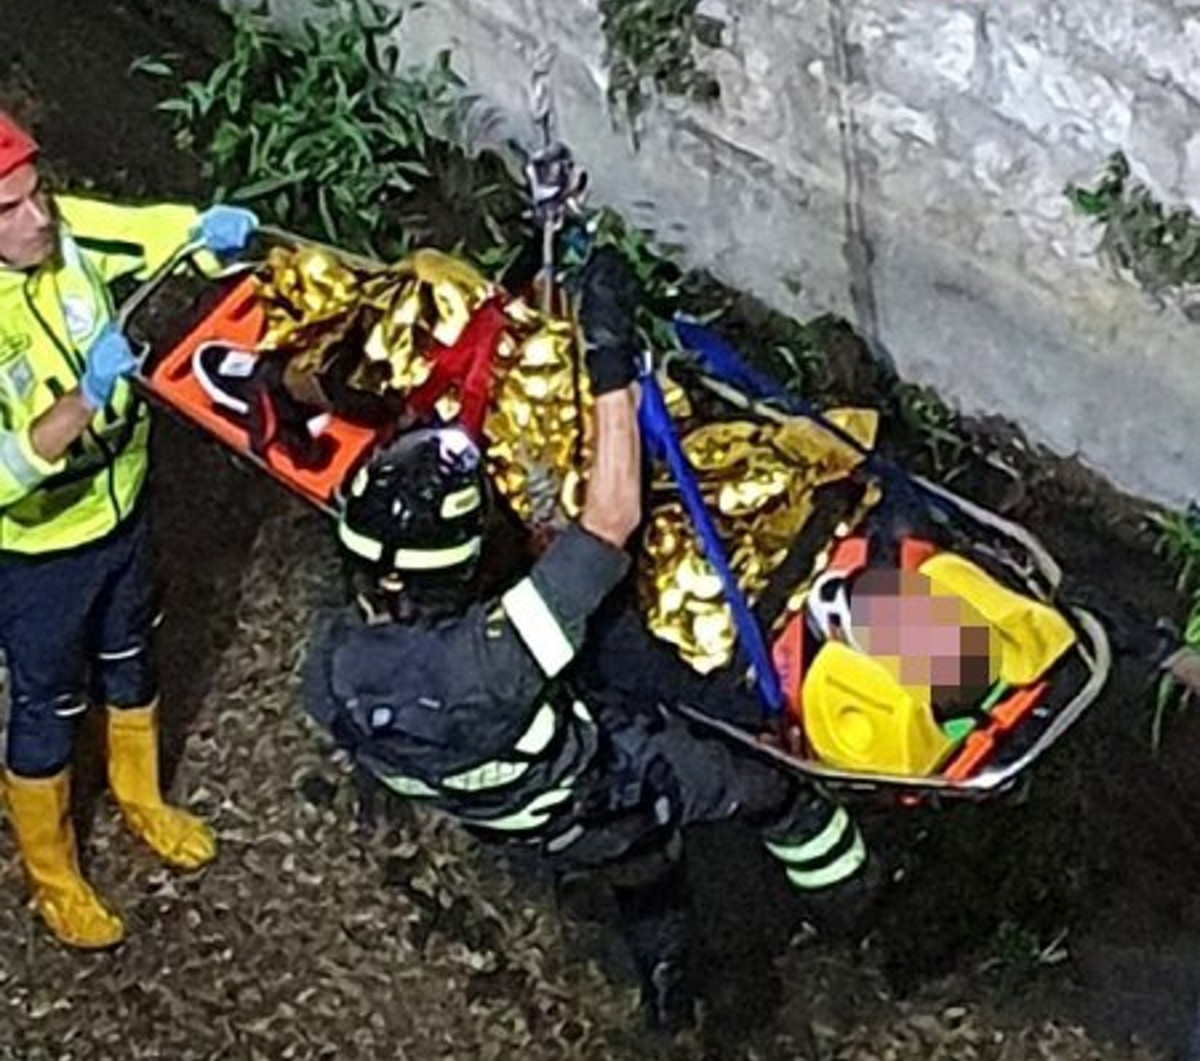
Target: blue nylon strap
659, 432
720, 360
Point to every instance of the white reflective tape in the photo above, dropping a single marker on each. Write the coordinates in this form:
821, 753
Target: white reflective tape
494, 774
360, 544
407, 786
534, 814
14, 460
816, 847
565, 839
127, 653
538, 628
69, 249
836, 872
435, 559
540, 732
460, 502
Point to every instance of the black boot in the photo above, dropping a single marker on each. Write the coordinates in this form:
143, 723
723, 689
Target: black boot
827, 863
655, 917
667, 999
846, 911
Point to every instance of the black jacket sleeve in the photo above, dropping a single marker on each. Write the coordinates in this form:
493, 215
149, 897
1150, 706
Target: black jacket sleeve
575, 575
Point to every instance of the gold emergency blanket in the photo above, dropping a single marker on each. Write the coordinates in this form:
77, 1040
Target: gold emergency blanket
757, 480
382, 328
539, 422
381, 325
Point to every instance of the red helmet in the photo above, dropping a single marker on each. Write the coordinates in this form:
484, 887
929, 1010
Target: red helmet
17, 147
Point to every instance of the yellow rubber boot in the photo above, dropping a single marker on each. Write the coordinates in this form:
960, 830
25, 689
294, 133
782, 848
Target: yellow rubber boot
179, 838
40, 812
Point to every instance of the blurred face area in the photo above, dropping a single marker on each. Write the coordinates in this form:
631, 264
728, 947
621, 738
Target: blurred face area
28, 232
926, 639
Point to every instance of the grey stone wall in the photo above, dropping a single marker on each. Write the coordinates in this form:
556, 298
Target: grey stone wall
902, 163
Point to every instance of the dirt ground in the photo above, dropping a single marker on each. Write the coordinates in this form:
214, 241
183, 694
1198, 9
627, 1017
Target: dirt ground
1061, 924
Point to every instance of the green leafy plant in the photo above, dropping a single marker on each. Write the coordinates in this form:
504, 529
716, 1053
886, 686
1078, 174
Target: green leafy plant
1170, 694
650, 47
804, 370
934, 423
320, 129
1159, 245
1017, 951
1178, 542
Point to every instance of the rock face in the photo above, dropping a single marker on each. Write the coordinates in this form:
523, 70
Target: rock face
902, 163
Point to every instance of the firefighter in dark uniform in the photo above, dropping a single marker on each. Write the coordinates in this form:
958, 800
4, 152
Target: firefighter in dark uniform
535, 715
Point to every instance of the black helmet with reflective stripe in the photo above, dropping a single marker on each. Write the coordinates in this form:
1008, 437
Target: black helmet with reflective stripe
418, 506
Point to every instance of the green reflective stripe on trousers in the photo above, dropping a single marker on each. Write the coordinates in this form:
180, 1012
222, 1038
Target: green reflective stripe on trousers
835, 872
816, 846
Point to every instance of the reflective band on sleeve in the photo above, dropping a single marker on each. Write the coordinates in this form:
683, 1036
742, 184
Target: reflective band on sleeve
540, 733
500, 772
836, 872
14, 459
538, 628
495, 774
407, 786
533, 815
817, 846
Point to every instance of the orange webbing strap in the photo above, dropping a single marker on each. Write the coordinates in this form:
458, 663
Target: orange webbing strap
1005, 716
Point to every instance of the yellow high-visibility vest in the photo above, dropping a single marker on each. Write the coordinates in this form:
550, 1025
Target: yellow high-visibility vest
48, 318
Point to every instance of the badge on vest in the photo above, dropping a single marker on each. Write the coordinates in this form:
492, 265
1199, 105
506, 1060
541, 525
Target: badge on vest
14, 365
13, 345
80, 316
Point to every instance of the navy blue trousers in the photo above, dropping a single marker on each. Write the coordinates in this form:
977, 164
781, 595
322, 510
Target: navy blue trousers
77, 628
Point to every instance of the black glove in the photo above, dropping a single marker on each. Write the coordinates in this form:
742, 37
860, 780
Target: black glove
607, 306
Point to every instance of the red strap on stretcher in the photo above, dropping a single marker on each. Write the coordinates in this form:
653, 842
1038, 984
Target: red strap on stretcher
467, 367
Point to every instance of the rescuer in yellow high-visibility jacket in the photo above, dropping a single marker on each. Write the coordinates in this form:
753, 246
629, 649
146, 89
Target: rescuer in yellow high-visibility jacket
76, 611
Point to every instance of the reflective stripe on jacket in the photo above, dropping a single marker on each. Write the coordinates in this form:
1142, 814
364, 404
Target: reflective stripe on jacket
471, 713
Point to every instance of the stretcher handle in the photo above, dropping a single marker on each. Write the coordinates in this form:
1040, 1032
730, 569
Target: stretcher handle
190, 248
275, 234
144, 290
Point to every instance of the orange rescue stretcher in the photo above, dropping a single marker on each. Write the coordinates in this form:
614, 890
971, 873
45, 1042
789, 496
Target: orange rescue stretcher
180, 308
223, 308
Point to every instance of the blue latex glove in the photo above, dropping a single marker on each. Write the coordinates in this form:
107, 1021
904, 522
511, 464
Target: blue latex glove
109, 359
226, 230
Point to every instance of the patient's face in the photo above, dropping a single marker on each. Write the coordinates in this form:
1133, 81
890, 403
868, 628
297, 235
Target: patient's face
923, 637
